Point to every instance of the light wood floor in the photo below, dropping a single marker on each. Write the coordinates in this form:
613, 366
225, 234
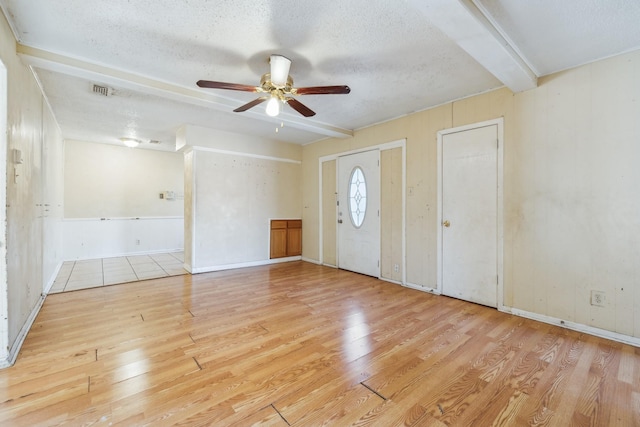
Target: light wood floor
303, 345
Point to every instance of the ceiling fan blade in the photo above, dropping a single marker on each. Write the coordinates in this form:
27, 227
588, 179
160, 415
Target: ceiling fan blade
229, 86
300, 107
251, 104
323, 90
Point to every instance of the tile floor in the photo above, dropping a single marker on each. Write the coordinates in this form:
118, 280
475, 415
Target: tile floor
92, 273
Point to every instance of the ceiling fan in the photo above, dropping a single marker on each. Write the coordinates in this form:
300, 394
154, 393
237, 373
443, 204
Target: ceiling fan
277, 87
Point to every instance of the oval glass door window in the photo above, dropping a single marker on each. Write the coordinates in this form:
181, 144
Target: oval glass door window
357, 197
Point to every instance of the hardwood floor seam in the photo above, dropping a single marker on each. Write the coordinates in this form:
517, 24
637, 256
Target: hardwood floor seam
373, 391
279, 413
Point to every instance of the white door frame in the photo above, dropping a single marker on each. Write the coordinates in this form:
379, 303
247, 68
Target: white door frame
499, 122
401, 143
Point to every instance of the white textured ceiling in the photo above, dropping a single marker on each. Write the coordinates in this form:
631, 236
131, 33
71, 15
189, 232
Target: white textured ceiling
398, 57
562, 34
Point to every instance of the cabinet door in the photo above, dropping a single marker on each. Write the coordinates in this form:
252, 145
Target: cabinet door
278, 239
294, 241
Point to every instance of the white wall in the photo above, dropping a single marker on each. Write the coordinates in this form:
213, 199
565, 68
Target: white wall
96, 238
236, 185
33, 200
108, 181
112, 201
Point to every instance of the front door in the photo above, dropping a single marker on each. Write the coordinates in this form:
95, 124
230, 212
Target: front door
469, 180
359, 212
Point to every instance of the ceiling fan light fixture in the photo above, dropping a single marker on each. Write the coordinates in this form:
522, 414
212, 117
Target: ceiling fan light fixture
275, 87
130, 142
279, 70
273, 107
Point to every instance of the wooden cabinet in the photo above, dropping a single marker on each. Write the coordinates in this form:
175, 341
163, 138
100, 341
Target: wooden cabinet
286, 238
278, 238
294, 237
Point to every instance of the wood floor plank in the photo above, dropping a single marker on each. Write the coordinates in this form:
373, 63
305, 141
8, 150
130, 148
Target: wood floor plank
508, 377
562, 355
399, 415
266, 417
301, 344
40, 400
596, 399
575, 378
74, 411
341, 409
508, 411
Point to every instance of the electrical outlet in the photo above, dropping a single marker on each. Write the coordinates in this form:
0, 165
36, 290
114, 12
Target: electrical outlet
598, 298
396, 268
137, 241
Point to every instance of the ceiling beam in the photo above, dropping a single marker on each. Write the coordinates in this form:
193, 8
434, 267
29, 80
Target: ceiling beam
40, 58
464, 23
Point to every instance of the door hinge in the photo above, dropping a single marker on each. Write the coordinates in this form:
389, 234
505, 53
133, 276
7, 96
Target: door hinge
338, 203
497, 280
378, 263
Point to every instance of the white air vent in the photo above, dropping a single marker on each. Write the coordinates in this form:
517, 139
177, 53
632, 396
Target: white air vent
154, 141
102, 90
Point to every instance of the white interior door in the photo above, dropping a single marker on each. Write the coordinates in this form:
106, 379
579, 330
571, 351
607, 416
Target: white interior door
359, 212
469, 215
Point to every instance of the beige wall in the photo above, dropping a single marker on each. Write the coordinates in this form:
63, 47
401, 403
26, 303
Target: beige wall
235, 185
391, 264
109, 181
33, 199
571, 156
329, 214
572, 204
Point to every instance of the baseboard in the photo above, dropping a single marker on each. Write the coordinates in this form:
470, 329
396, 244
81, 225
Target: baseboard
395, 282
22, 335
241, 265
422, 288
312, 261
602, 333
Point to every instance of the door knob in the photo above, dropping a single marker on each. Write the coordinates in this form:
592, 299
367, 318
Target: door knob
446, 223
339, 221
